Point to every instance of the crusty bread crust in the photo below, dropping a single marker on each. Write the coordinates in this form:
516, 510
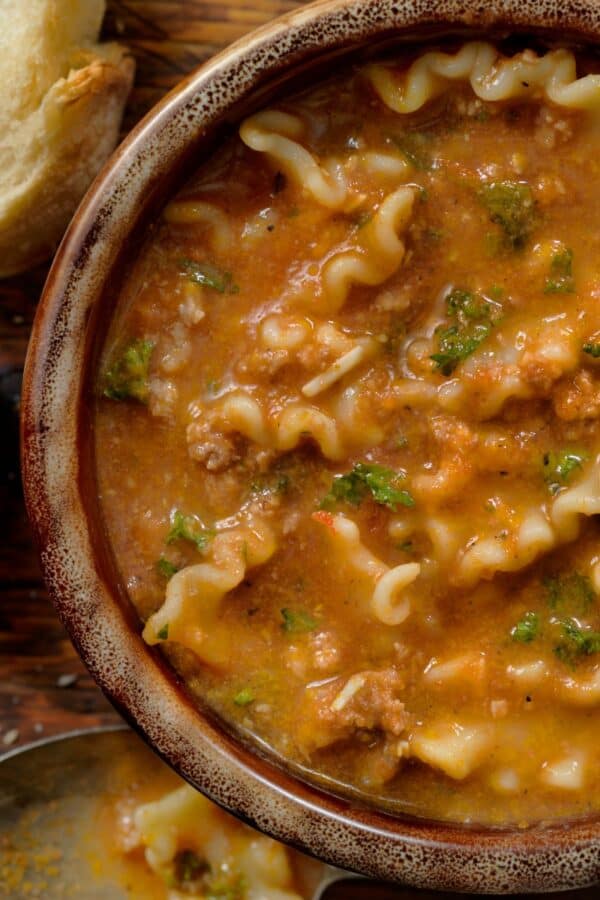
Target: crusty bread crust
61, 134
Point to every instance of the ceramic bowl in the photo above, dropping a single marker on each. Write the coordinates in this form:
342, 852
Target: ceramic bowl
59, 477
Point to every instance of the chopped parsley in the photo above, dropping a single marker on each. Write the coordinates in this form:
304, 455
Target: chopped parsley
560, 280
576, 642
192, 874
127, 379
510, 205
465, 305
474, 317
189, 528
592, 350
189, 869
166, 567
567, 596
361, 218
413, 146
526, 628
271, 483
559, 466
482, 115
572, 594
381, 483
456, 344
297, 621
163, 634
208, 275
228, 887
243, 697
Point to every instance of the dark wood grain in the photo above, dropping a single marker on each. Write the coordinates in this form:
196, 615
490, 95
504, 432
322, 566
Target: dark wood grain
168, 38
44, 688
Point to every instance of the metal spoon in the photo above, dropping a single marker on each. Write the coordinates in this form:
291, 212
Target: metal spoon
50, 795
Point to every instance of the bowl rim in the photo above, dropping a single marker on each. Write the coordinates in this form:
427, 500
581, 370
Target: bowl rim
338, 830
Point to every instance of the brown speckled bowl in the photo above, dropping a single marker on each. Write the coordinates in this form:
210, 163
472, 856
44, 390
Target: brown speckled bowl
58, 463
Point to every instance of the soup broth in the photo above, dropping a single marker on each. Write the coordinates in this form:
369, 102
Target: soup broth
347, 433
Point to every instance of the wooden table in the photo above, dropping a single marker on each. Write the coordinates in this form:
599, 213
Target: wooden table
44, 687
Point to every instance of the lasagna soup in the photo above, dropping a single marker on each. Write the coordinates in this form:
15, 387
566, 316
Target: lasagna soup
347, 433
177, 845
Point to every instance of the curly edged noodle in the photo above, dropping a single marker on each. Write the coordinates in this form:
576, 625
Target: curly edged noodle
498, 371
184, 821
380, 250
378, 255
390, 601
194, 594
281, 332
241, 413
277, 134
492, 76
362, 350
489, 555
537, 534
582, 691
198, 212
538, 531
581, 499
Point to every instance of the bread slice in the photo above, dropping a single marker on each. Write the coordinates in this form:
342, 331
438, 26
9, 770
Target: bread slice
61, 101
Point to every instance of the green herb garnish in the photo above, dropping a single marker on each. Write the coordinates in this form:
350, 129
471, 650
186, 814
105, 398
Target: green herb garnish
413, 146
465, 305
494, 243
297, 621
271, 483
361, 218
560, 280
474, 316
163, 634
559, 466
243, 697
381, 483
189, 868
127, 379
576, 642
572, 594
210, 276
592, 350
510, 205
526, 628
227, 887
189, 528
166, 567
456, 344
